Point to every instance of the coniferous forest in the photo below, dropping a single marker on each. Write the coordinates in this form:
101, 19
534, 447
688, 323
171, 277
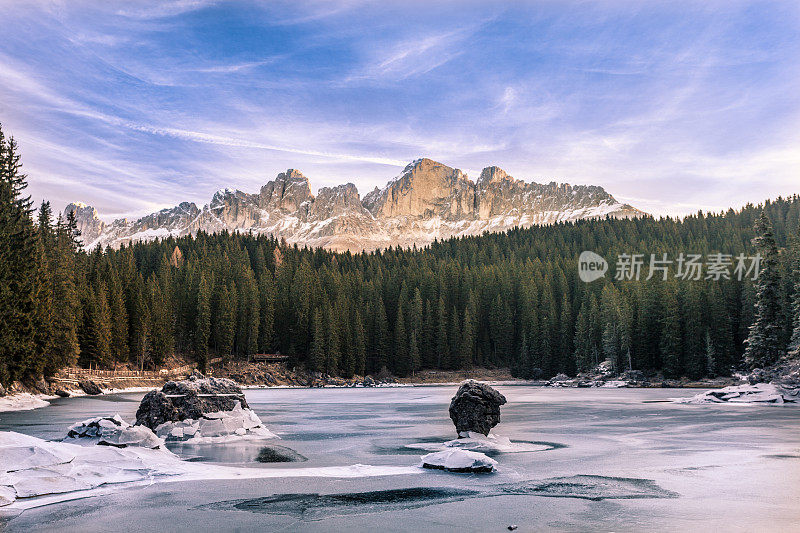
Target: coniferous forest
512, 299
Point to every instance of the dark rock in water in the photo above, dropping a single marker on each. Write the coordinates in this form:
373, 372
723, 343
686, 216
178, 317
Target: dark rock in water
476, 407
279, 454
633, 375
181, 400
90, 387
62, 393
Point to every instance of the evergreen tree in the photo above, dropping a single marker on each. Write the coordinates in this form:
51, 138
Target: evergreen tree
671, 339
359, 344
316, 356
18, 268
763, 342
332, 342
402, 362
794, 342
202, 331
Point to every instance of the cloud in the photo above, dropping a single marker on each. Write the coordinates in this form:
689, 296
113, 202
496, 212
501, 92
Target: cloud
162, 102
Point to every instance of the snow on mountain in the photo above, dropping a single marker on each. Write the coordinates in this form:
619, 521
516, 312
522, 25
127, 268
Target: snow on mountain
427, 201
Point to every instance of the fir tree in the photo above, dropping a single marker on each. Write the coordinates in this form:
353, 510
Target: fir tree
763, 342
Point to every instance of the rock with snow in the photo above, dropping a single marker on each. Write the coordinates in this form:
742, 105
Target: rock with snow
238, 423
457, 460
112, 431
191, 399
763, 393
475, 407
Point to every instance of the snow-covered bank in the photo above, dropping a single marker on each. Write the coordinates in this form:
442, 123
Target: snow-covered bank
36, 472
24, 401
760, 393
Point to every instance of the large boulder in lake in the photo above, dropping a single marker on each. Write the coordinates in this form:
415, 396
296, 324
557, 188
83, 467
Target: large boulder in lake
475, 407
191, 399
200, 410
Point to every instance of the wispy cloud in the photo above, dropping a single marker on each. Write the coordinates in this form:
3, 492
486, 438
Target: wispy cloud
140, 105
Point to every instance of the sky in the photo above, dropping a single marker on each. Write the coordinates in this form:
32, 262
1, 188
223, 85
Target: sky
136, 106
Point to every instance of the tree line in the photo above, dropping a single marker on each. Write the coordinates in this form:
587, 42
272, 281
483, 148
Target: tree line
511, 299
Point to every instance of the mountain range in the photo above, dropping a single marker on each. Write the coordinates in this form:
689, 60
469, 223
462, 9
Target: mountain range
427, 201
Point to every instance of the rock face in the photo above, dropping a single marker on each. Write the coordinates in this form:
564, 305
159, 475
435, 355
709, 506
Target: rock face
191, 399
475, 407
427, 200
112, 431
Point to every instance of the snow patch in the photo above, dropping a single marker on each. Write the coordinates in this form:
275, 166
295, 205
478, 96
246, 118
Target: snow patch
476, 442
222, 426
112, 431
36, 472
759, 393
23, 401
457, 460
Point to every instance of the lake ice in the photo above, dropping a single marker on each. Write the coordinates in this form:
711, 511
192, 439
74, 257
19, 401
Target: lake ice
581, 459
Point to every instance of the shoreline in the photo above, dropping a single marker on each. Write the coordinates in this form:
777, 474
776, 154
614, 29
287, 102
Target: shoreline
27, 401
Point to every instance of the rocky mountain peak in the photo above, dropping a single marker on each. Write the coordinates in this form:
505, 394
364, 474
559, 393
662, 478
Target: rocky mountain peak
493, 175
288, 191
428, 200
87, 220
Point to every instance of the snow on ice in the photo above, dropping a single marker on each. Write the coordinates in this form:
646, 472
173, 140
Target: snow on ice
457, 460
36, 472
743, 394
112, 431
23, 401
477, 442
221, 426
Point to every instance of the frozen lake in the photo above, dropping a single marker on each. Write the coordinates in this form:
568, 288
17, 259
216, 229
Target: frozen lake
609, 459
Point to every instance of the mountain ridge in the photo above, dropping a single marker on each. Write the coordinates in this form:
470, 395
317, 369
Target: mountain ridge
428, 200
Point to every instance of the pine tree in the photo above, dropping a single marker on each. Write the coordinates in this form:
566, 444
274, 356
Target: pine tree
18, 268
202, 332
44, 331
763, 342
467, 338
442, 345
225, 320
266, 329
119, 321
583, 339
671, 338
413, 352
402, 363
316, 355
359, 344
794, 342
332, 341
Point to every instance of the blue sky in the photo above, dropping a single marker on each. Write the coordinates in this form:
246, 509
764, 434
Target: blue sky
135, 106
